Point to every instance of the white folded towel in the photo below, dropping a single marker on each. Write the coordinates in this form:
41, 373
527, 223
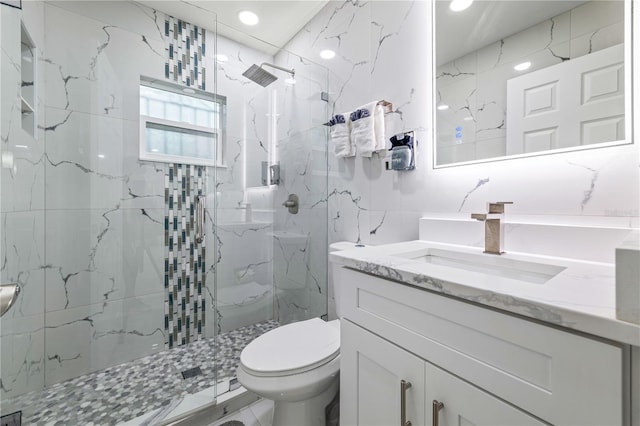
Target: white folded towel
341, 136
379, 127
367, 129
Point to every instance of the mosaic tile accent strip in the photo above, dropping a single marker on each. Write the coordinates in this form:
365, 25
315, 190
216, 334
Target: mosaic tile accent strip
124, 392
184, 263
185, 49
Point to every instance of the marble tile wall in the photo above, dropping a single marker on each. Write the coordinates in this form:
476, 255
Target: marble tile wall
474, 85
383, 51
22, 247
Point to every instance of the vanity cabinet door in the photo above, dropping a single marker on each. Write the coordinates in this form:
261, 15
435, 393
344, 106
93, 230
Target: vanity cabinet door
465, 404
371, 370
561, 377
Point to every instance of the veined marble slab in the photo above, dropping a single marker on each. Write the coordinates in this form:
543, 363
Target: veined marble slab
581, 297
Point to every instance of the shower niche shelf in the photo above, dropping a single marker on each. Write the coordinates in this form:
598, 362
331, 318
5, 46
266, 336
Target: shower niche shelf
28, 59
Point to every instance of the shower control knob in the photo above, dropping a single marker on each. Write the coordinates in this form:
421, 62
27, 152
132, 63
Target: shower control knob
292, 203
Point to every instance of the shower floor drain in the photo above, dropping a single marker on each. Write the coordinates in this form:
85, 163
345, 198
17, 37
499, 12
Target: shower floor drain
192, 372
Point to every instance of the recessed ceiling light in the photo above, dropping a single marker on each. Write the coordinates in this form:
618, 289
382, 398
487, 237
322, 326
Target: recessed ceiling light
327, 54
221, 58
22, 146
100, 155
442, 107
459, 5
468, 118
248, 18
189, 90
523, 66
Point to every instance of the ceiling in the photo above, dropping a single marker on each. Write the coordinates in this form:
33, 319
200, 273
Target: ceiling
279, 20
485, 22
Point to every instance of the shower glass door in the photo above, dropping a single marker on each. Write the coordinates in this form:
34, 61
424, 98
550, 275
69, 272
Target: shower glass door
300, 251
115, 317
272, 263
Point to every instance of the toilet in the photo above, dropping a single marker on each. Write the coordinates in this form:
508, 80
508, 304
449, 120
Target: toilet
297, 366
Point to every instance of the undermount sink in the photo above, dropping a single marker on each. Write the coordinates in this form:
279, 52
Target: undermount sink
522, 270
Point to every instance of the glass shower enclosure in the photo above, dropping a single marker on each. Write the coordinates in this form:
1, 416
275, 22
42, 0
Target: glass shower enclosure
122, 312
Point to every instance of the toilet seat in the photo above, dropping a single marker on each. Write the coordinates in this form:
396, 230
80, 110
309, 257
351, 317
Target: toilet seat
292, 349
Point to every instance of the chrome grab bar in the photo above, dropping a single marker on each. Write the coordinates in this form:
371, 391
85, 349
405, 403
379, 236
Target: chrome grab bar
8, 295
199, 218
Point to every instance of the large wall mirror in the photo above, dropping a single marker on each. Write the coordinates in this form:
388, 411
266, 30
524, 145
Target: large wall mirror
518, 78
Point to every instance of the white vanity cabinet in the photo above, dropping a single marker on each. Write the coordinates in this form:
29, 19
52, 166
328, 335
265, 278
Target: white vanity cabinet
485, 366
372, 370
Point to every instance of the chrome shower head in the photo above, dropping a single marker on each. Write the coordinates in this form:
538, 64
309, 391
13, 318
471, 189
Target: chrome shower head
259, 75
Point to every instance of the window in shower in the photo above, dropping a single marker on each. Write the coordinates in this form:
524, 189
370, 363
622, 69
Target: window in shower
181, 124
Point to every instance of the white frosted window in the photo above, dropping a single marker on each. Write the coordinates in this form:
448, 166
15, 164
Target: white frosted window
180, 127
162, 138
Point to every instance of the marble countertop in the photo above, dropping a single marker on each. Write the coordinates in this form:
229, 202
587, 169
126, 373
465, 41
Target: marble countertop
580, 297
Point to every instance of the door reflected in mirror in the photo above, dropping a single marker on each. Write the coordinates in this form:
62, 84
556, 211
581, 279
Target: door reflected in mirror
520, 78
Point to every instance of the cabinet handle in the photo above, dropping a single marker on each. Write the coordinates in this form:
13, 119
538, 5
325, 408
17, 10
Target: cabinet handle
404, 385
437, 406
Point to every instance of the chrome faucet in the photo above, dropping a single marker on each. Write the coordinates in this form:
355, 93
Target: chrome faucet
493, 235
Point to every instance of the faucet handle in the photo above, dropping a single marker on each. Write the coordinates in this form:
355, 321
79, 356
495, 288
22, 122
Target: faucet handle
498, 207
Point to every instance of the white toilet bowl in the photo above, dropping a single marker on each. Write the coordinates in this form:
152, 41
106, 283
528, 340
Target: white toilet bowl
298, 367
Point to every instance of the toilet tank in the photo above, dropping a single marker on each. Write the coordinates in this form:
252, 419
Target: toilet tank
334, 275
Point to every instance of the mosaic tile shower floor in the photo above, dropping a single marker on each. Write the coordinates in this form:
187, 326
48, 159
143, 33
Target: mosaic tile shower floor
126, 391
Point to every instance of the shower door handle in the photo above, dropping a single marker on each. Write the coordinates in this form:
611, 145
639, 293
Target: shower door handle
199, 219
